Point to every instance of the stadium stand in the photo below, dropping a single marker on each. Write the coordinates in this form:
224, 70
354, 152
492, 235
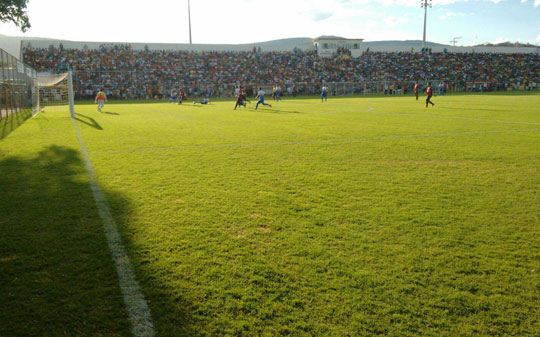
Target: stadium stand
142, 74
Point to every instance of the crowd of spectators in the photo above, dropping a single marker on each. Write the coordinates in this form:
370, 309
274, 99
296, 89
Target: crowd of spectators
140, 74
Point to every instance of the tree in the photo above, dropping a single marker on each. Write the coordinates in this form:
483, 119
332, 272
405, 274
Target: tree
15, 11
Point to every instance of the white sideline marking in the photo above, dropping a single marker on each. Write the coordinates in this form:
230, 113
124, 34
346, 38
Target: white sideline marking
139, 314
309, 142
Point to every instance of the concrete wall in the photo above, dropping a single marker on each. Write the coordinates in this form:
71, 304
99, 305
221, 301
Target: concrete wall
267, 46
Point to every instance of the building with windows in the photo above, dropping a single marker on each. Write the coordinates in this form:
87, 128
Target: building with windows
327, 46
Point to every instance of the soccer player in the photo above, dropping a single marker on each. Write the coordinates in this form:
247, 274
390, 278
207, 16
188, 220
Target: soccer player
173, 96
101, 98
278, 93
324, 94
204, 100
416, 86
241, 100
260, 95
181, 96
429, 93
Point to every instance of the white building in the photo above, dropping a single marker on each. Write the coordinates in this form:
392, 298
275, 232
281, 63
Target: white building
327, 46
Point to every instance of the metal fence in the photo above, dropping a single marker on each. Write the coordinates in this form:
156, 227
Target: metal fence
134, 85
18, 92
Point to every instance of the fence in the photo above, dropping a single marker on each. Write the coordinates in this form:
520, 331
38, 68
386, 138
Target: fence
134, 85
18, 93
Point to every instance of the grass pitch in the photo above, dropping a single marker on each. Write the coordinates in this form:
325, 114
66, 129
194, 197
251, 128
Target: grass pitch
357, 217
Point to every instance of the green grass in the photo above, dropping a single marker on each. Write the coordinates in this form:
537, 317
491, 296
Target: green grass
11, 121
359, 217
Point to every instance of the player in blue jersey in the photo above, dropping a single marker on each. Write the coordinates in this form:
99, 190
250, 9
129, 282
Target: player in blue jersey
278, 93
260, 95
324, 94
173, 96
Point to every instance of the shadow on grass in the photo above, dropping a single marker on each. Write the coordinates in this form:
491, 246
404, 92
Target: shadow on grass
56, 273
57, 276
88, 121
111, 113
10, 121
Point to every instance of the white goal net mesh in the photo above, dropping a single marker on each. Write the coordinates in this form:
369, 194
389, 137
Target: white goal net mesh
53, 89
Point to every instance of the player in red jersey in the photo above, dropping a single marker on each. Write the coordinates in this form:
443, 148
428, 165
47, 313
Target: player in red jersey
429, 93
416, 90
241, 100
181, 96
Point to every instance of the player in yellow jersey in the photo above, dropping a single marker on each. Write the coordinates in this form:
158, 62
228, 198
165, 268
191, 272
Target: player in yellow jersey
101, 98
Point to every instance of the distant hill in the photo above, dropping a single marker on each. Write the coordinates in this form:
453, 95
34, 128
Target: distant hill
508, 44
407, 43
296, 41
24, 38
12, 44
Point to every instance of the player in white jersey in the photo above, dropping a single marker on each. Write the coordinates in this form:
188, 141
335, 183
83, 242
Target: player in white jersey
278, 93
260, 95
173, 96
324, 94
204, 100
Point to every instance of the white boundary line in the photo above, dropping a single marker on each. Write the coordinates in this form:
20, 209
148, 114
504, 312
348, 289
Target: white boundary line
309, 142
139, 314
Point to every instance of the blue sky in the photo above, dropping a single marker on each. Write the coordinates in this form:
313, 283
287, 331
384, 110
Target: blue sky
246, 21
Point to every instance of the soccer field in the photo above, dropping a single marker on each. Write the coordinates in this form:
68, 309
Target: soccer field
356, 217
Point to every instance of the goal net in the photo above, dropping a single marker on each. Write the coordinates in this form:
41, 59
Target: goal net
55, 89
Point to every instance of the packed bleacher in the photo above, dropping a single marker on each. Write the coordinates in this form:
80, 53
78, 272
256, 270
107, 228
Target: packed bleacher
140, 74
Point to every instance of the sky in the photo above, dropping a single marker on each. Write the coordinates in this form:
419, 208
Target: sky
247, 21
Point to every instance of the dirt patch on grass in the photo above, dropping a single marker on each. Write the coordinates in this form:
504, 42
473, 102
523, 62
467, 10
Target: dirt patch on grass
239, 235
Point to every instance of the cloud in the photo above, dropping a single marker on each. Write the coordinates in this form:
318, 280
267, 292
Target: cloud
450, 15
393, 21
320, 15
536, 3
538, 38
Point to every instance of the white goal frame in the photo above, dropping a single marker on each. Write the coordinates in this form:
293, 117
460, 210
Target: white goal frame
55, 89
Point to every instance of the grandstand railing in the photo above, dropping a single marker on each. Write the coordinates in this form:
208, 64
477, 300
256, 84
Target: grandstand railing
387, 87
115, 89
302, 89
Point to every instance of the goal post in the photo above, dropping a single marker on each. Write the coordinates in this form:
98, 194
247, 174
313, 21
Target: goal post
71, 98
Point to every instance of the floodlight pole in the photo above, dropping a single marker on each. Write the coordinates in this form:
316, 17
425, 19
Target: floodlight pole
189, 17
425, 4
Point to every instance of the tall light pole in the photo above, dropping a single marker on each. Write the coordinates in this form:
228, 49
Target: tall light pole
189, 17
425, 4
